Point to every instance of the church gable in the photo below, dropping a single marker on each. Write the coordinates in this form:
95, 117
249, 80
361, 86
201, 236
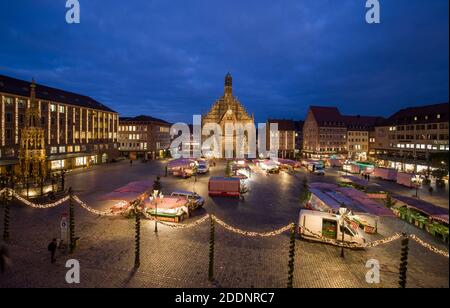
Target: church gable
220, 109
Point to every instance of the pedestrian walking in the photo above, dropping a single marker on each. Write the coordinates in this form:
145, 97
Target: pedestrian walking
4, 259
131, 163
52, 248
430, 190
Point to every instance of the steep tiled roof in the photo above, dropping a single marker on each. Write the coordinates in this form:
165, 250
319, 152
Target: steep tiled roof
327, 116
362, 122
142, 118
19, 87
424, 114
283, 125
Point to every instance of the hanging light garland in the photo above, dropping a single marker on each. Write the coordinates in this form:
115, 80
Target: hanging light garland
93, 211
249, 233
428, 246
36, 205
231, 228
354, 245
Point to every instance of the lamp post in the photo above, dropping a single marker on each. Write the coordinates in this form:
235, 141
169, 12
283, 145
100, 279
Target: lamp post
418, 181
154, 197
343, 212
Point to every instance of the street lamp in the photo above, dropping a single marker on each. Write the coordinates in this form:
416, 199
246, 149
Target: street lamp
343, 212
154, 197
417, 181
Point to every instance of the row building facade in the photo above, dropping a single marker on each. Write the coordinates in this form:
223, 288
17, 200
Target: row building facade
71, 130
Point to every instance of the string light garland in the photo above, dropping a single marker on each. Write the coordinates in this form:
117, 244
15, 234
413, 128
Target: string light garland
178, 226
36, 205
354, 245
250, 233
93, 211
230, 228
428, 246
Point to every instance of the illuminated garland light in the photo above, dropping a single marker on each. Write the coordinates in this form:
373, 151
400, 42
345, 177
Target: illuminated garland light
249, 233
36, 205
428, 246
354, 245
90, 209
178, 226
230, 228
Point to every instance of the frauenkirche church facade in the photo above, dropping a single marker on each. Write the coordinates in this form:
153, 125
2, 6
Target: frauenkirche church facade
228, 109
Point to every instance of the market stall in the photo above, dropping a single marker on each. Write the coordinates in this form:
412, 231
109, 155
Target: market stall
424, 215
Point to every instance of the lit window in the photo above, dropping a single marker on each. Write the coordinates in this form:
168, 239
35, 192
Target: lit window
53, 150
62, 109
52, 107
62, 149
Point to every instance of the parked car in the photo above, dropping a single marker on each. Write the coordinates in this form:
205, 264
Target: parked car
195, 201
203, 167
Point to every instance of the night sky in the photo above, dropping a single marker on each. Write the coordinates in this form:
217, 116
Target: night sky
168, 58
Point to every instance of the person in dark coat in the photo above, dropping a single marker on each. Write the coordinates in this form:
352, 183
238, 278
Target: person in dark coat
3, 258
52, 248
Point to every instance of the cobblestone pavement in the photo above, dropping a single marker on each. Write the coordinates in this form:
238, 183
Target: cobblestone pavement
179, 257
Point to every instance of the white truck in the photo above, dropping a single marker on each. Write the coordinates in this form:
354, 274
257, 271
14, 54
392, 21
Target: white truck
318, 226
316, 168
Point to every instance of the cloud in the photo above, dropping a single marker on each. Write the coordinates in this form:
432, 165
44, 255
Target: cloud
168, 58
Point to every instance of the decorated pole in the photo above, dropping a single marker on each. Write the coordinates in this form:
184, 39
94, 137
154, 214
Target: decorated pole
403, 262
211, 250
137, 237
291, 263
6, 216
71, 222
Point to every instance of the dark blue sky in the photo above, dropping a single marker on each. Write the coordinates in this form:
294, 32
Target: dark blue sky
168, 58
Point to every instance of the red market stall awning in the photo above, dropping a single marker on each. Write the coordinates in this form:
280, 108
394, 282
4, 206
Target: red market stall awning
129, 192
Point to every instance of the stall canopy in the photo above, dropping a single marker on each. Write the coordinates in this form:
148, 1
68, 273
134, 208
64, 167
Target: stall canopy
326, 199
180, 163
129, 192
371, 187
433, 211
353, 199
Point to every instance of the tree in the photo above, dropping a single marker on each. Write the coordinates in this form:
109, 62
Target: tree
389, 202
305, 194
291, 263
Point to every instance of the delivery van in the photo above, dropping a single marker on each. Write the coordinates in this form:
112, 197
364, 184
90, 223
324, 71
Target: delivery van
316, 168
225, 187
314, 225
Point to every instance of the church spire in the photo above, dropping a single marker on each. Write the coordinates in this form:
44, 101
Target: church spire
32, 111
228, 85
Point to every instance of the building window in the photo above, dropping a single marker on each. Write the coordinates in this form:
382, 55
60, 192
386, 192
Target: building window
62, 149
57, 164
52, 107
8, 101
8, 117
77, 148
80, 161
53, 150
